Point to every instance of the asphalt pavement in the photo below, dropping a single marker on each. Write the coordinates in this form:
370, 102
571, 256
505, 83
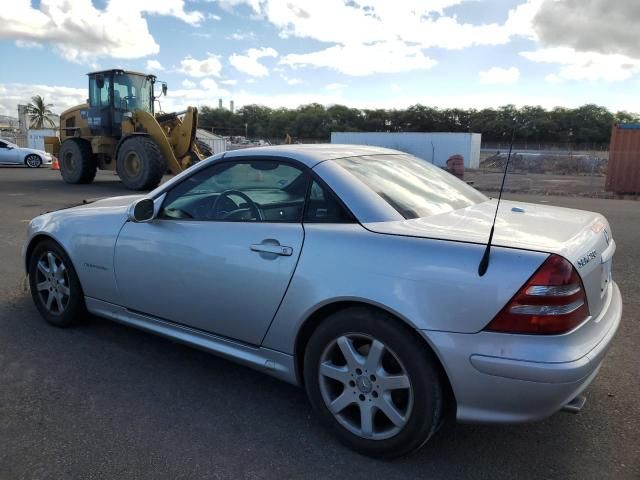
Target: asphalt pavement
105, 401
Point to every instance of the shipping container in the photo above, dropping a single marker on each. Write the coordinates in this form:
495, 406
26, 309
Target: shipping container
623, 169
35, 137
433, 147
215, 143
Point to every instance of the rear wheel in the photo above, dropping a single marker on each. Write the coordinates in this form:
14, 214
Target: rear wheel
33, 161
77, 162
140, 164
55, 287
373, 382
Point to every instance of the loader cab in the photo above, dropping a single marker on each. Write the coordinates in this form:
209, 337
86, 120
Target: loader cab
112, 93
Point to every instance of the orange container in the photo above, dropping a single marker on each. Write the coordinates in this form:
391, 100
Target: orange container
623, 169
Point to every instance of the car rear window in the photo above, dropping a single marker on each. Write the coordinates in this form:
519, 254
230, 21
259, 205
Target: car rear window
412, 186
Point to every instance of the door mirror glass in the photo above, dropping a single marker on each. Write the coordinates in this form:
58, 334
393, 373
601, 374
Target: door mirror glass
142, 210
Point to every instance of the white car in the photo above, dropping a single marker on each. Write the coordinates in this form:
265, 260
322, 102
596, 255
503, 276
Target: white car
12, 154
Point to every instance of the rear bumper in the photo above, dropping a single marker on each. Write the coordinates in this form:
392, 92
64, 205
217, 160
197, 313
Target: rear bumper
513, 387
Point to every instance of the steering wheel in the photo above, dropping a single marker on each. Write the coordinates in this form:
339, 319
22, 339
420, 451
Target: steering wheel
253, 206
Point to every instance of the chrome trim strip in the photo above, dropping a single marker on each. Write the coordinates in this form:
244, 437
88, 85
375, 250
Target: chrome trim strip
545, 310
553, 291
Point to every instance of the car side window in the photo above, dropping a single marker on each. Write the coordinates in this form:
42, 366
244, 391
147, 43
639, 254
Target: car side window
3, 145
242, 191
324, 207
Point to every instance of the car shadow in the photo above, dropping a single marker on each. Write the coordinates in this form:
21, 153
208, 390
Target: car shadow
177, 401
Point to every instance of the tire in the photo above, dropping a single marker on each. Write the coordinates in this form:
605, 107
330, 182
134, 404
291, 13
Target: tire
204, 148
77, 163
416, 392
140, 164
59, 283
32, 160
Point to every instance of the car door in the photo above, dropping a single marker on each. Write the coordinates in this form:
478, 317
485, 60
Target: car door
210, 260
8, 154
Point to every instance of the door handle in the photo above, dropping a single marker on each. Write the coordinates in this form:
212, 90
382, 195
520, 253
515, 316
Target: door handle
275, 249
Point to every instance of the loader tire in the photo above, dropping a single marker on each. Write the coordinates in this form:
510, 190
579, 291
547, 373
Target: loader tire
140, 164
204, 148
77, 162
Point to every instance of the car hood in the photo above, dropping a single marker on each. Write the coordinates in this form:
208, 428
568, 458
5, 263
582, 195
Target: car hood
528, 226
109, 202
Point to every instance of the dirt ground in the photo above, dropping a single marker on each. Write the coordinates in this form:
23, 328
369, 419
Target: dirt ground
541, 184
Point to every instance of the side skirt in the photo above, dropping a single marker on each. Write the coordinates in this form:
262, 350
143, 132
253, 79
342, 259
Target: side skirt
271, 362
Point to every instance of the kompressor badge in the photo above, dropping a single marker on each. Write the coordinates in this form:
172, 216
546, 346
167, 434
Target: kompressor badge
587, 258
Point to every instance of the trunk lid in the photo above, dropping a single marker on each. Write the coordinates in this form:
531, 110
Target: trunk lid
583, 238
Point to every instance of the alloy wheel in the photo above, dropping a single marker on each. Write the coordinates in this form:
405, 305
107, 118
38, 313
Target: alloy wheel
365, 386
52, 282
33, 161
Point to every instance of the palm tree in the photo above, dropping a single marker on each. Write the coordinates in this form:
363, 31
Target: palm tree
39, 112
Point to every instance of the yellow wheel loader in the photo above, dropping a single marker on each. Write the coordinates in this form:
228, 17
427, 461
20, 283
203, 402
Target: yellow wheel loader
117, 130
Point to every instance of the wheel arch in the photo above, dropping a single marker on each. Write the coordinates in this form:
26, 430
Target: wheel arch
78, 140
315, 318
38, 238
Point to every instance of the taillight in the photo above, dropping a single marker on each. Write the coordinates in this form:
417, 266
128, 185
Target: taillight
552, 301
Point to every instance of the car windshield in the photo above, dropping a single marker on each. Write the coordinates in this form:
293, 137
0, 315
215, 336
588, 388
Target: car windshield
412, 186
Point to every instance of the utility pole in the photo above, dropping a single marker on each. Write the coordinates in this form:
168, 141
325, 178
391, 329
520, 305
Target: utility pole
246, 129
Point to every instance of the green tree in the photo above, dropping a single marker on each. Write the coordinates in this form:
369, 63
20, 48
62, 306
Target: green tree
39, 112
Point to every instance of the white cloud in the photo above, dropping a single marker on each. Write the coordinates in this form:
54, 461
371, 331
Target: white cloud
186, 83
249, 63
212, 87
590, 66
360, 30
214, 17
154, 66
241, 36
229, 82
335, 86
291, 80
499, 76
359, 60
210, 66
27, 44
80, 32
12, 94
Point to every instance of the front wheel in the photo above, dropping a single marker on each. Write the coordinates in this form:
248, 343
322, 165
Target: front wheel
54, 285
140, 163
33, 161
373, 382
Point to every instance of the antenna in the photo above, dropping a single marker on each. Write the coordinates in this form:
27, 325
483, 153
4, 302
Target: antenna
484, 262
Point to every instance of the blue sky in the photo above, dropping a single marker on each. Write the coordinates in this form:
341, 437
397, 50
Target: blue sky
363, 53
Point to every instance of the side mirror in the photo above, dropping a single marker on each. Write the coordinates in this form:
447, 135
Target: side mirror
164, 89
142, 210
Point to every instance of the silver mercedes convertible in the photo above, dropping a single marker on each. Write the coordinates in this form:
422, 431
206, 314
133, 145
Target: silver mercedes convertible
351, 271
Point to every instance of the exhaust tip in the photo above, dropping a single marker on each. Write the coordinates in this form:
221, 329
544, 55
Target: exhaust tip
575, 405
